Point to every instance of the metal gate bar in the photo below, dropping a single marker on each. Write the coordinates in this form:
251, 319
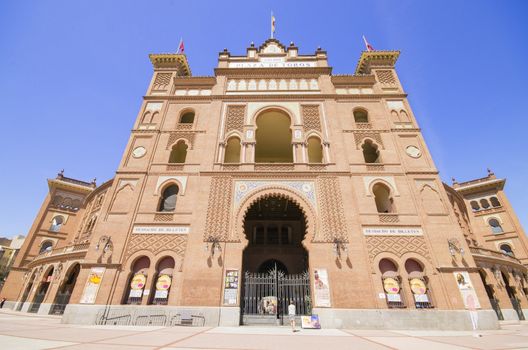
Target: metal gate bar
270, 293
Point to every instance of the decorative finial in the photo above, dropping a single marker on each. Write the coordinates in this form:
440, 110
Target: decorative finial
453, 180
319, 48
490, 172
225, 49
60, 174
252, 44
291, 43
94, 181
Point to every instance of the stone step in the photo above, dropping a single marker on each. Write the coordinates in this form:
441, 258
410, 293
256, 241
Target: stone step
248, 320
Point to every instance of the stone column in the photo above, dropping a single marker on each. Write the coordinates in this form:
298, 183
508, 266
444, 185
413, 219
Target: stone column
221, 152
326, 151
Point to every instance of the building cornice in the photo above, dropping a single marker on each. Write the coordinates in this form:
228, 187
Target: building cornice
275, 97
274, 72
353, 80
480, 186
371, 59
171, 60
194, 81
55, 183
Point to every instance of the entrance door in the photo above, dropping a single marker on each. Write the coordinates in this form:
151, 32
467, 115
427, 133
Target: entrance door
42, 290
35, 306
513, 297
63, 295
275, 262
266, 296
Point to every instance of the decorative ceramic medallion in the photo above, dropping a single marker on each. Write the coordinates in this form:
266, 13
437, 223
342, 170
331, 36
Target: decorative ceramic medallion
413, 151
139, 152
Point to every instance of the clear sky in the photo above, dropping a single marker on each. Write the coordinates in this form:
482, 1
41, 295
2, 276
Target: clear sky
73, 73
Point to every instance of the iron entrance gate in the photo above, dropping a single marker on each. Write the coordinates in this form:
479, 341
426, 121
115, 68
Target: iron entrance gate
269, 294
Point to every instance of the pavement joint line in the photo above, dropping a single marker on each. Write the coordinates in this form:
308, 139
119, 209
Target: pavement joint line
98, 341
444, 342
31, 330
370, 340
185, 338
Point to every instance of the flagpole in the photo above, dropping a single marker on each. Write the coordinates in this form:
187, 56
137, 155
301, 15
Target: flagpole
366, 44
271, 27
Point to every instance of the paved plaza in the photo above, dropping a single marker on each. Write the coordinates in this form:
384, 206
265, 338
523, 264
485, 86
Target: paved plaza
26, 332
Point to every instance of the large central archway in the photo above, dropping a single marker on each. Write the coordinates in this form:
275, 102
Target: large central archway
275, 228
275, 262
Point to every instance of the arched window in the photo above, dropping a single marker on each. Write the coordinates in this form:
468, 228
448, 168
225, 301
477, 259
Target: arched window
506, 249
360, 116
382, 198
259, 236
137, 281
46, 247
386, 266
232, 150
315, 150
495, 202
163, 278
91, 224
495, 226
418, 284
168, 198
484, 203
272, 234
187, 118
391, 283
178, 153
273, 138
285, 235
474, 205
412, 265
370, 152
56, 223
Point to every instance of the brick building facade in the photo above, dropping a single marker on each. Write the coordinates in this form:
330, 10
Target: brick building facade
275, 180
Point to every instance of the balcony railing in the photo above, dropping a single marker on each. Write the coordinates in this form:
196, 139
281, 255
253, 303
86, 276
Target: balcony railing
64, 250
494, 254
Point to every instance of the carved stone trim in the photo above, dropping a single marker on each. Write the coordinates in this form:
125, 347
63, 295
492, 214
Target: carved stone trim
165, 217
235, 118
359, 136
311, 119
398, 245
219, 208
189, 136
333, 224
156, 243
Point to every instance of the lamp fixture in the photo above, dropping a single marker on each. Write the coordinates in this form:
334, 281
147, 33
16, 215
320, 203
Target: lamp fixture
212, 245
105, 243
339, 246
454, 247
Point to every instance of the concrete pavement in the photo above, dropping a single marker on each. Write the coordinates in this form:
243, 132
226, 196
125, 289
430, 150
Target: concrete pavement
27, 332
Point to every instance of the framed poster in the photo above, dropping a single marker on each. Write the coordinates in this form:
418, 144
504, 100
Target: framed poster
231, 287
310, 322
137, 284
162, 287
92, 285
321, 288
469, 296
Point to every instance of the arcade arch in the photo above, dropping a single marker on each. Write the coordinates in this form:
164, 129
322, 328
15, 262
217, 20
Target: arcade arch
273, 137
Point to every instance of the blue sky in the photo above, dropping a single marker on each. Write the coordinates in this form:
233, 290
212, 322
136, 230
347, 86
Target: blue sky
73, 73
